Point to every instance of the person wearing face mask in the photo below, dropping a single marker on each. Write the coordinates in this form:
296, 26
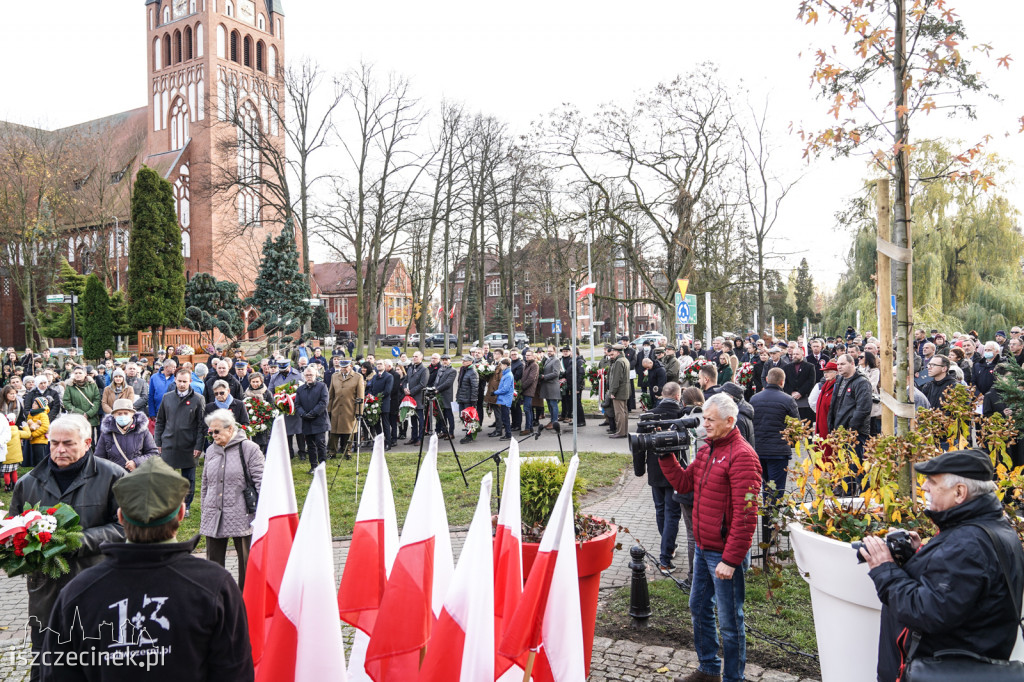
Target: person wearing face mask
220, 398
982, 372
124, 438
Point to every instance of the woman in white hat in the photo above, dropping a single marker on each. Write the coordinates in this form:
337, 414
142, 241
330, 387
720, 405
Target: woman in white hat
124, 438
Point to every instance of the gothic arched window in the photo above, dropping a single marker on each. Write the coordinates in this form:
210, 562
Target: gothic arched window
247, 51
234, 46
179, 124
187, 38
248, 164
260, 64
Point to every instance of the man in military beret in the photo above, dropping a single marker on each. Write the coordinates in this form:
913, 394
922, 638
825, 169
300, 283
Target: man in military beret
953, 593
142, 602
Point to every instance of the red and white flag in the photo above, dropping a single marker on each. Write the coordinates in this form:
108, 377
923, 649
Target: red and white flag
370, 556
306, 633
440, 311
461, 647
508, 557
273, 528
451, 313
548, 621
586, 290
417, 584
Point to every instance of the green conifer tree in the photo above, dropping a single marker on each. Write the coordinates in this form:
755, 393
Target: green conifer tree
156, 278
281, 292
97, 322
57, 322
320, 324
213, 304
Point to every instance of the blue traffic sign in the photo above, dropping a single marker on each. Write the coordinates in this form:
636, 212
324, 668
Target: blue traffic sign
395, 351
556, 327
683, 312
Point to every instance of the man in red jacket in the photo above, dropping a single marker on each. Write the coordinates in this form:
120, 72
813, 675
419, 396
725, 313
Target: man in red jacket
725, 479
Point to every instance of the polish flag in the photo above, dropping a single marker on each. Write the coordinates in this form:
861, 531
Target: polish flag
586, 290
547, 623
306, 632
508, 556
451, 313
273, 528
462, 643
370, 556
440, 311
417, 584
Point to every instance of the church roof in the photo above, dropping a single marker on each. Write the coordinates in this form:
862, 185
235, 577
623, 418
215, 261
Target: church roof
277, 7
340, 278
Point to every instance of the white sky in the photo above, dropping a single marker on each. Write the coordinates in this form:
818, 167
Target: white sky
73, 61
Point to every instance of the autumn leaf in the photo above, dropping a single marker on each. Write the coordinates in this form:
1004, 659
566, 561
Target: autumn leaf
1021, 125
812, 17
928, 106
901, 111
1004, 61
949, 42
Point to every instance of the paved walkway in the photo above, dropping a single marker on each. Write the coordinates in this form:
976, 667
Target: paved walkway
628, 503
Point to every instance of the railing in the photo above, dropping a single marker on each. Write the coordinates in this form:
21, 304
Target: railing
172, 337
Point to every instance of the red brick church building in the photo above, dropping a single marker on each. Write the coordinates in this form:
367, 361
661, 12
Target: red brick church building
214, 66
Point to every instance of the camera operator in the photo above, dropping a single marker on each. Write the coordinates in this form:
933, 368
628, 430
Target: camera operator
667, 511
952, 593
724, 474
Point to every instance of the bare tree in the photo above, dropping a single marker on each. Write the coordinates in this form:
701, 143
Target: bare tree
37, 176
271, 156
763, 192
369, 211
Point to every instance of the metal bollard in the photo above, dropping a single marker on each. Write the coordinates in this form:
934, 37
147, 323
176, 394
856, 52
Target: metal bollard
639, 596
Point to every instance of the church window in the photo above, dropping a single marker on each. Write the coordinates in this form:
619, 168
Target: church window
182, 199
167, 49
272, 70
261, 22
234, 46
229, 8
259, 56
156, 54
187, 37
167, 15
222, 36
248, 164
186, 244
177, 47
199, 40
191, 6
179, 124
247, 51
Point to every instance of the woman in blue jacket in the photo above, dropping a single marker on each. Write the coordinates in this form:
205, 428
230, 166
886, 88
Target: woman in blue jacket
504, 397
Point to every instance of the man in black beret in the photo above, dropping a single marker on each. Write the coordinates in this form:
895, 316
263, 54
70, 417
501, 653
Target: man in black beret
142, 601
954, 592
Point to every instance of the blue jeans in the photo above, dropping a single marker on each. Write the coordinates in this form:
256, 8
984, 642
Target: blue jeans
506, 418
528, 411
667, 512
707, 593
553, 409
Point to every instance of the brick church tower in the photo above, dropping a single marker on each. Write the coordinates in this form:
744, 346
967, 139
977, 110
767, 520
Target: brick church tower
215, 98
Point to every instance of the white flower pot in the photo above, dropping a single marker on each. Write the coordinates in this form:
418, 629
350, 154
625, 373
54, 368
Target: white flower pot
847, 613
846, 609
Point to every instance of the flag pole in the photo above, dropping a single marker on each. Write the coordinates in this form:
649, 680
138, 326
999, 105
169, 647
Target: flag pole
529, 666
576, 404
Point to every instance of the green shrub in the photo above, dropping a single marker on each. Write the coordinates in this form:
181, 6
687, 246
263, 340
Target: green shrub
539, 484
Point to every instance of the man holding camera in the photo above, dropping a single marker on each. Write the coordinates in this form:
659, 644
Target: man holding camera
667, 511
962, 589
723, 475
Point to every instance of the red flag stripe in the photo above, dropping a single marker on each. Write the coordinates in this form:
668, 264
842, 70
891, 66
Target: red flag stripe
361, 591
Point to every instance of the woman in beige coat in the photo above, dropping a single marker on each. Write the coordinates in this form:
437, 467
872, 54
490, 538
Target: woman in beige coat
344, 402
117, 390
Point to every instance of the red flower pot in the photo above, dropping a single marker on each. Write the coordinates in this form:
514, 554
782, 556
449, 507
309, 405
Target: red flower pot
592, 557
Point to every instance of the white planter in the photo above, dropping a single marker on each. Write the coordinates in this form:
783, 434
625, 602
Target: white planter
847, 613
846, 609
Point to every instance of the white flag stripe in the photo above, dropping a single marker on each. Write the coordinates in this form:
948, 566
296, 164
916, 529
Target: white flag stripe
562, 630
470, 600
277, 492
510, 513
378, 501
427, 518
307, 596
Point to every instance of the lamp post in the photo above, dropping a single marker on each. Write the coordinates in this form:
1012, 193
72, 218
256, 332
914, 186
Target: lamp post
117, 252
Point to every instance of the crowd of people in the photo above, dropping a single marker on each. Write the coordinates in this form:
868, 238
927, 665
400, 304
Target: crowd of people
82, 428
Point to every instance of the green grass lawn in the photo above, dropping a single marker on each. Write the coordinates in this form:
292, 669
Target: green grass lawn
782, 612
596, 469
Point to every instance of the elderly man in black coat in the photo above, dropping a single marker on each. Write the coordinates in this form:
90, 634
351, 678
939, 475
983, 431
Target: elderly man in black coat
771, 407
381, 383
181, 429
311, 408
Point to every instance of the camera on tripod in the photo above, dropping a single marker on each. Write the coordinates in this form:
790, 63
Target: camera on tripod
662, 436
429, 392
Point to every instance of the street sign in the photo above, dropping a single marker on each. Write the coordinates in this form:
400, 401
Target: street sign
599, 324
556, 327
686, 310
55, 298
546, 319
395, 352
682, 283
